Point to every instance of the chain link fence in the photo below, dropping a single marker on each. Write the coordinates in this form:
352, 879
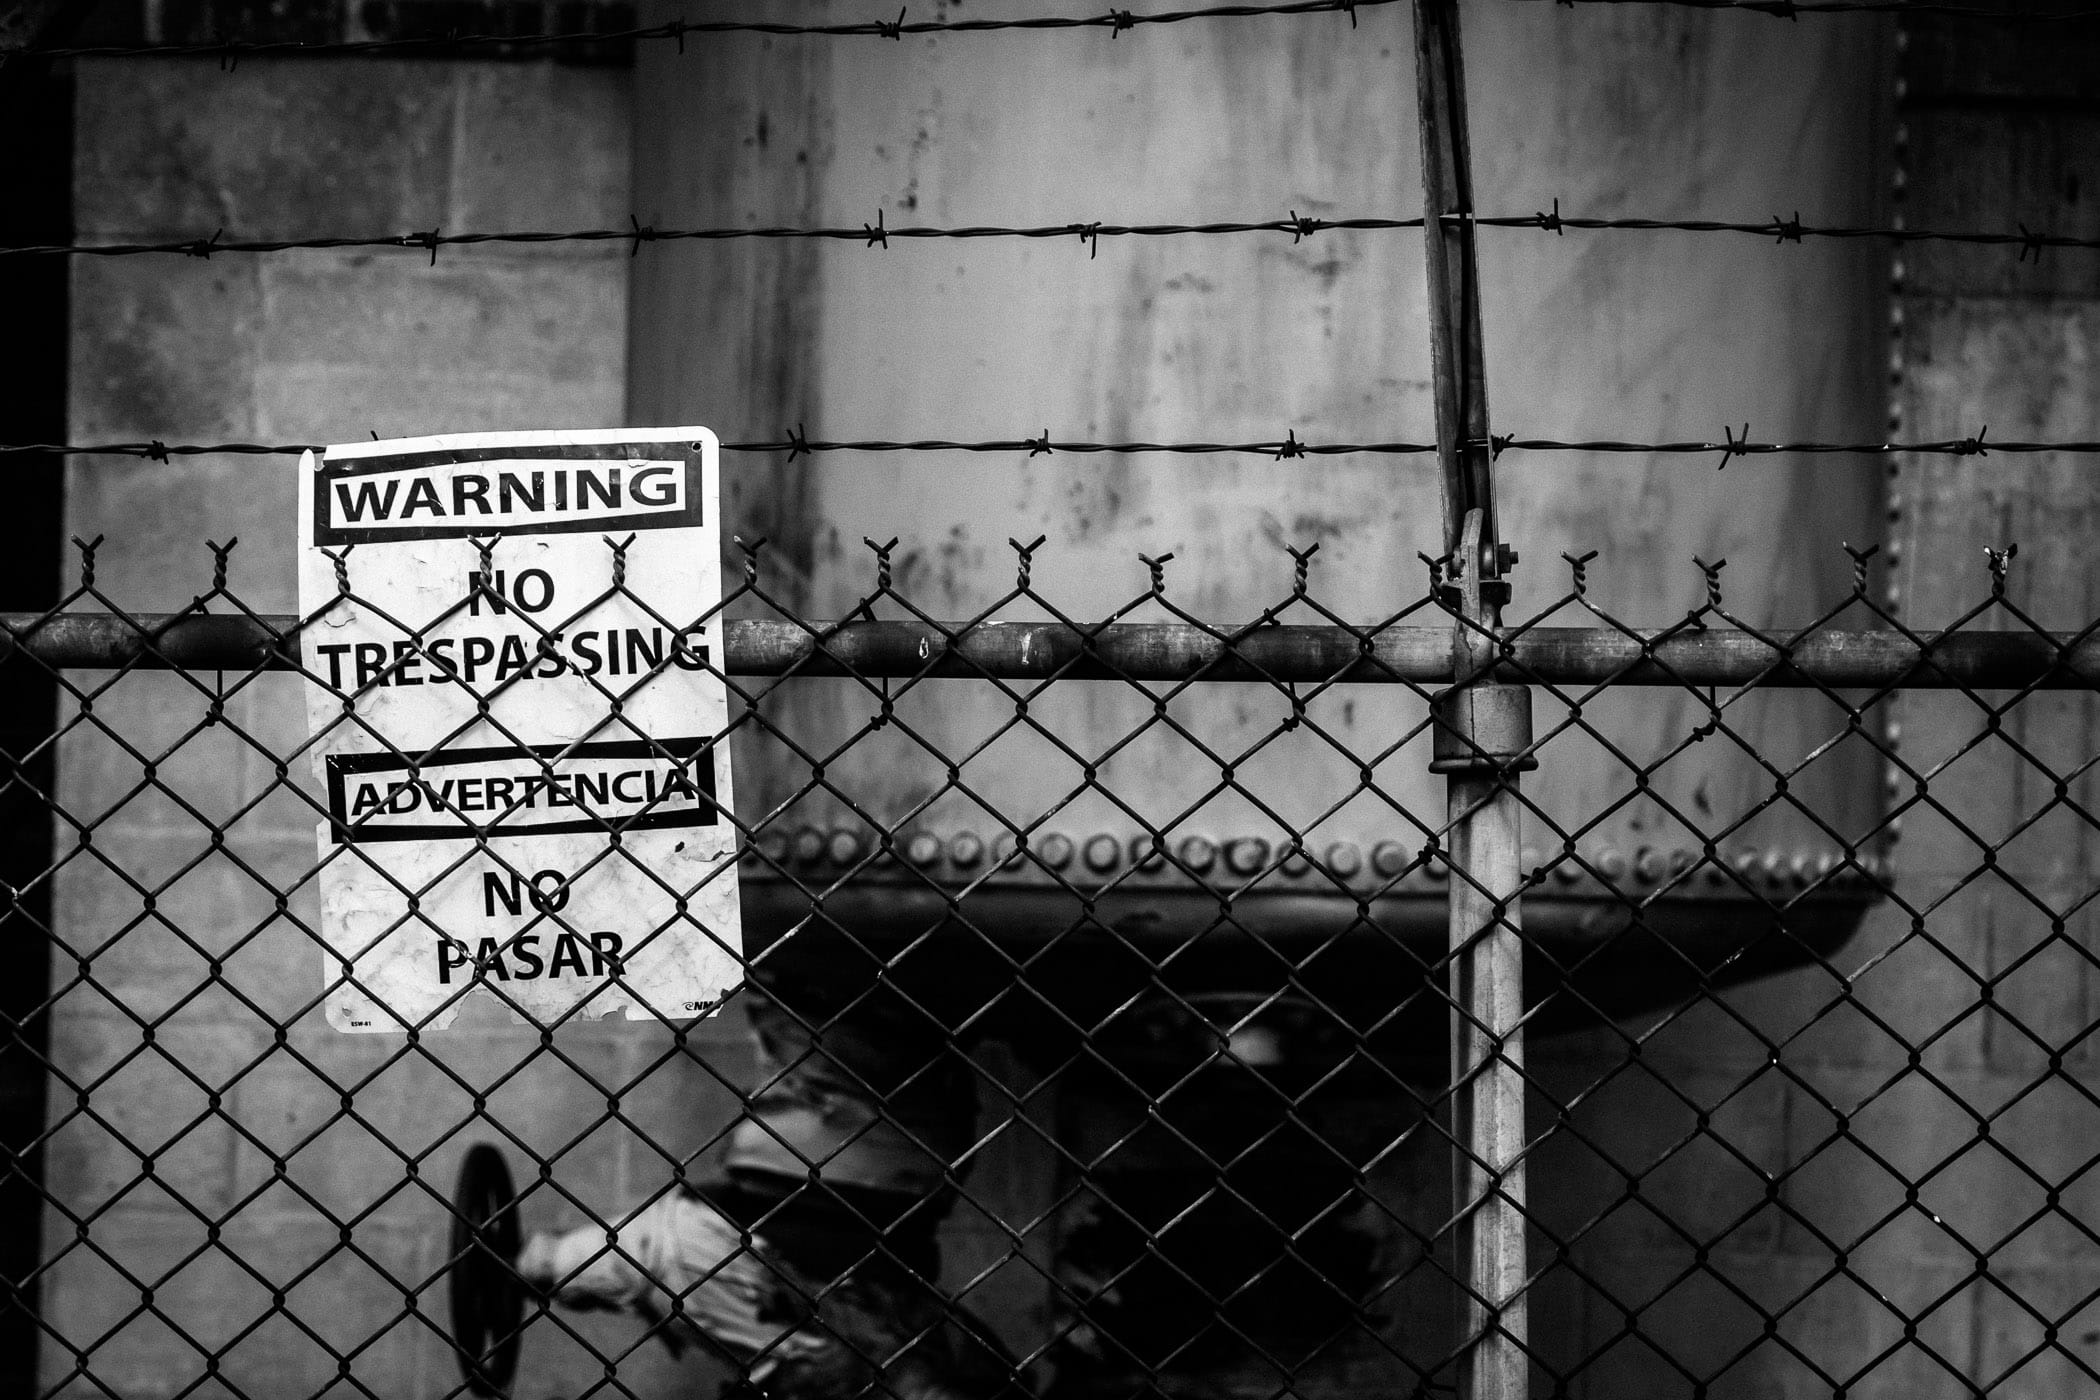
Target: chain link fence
1235, 1103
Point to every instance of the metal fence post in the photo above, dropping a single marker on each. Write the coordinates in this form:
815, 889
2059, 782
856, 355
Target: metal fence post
1482, 734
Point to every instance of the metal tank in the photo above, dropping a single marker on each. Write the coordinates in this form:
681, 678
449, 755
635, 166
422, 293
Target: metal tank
927, 789
1637, 336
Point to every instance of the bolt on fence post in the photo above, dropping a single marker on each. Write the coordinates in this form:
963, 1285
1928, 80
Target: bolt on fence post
1482, 738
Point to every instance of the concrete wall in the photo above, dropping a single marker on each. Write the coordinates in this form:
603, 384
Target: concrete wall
1246, 338
208, 1148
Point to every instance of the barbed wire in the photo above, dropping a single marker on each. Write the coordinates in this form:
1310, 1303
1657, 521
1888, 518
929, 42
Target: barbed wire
876, 235
2030, 242
1115, 21
1731, 445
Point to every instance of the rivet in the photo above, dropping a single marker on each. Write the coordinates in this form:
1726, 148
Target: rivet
1825, 864
1648, 865
1006, 852
1143, 856
966, 848
924, 848
1102, 852
809, 845
1682, 859
1246, 855
844, 847
774, 846
1773, 865
1437, 867
1295, 864
1611, 863
1345, 859
1800, 867
1055, 850
1198, 853
1389, 858
1566, 868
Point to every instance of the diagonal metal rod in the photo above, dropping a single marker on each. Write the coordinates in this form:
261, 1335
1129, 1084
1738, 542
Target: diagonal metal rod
1482, 738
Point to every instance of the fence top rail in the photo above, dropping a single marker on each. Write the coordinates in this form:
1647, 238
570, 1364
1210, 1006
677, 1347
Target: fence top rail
1831, 658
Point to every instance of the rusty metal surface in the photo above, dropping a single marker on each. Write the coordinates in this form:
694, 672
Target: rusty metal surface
1779, 658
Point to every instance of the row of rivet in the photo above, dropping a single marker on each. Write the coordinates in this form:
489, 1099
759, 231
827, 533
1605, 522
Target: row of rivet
1104, 854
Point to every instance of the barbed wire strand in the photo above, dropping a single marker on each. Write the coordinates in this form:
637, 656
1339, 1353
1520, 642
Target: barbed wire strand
1113, 20
874, 235
796, 444
2030, 242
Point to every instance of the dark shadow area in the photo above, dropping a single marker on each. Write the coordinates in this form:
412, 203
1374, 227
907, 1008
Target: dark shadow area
36, 112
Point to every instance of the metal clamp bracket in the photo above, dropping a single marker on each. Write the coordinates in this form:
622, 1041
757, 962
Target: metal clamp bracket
1482, 729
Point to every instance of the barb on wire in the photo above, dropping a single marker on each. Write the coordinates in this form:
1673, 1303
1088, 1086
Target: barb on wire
640, 235
1733, 446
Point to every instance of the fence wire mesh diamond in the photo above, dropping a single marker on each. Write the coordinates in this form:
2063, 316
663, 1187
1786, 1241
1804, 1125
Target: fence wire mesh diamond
1122, 1022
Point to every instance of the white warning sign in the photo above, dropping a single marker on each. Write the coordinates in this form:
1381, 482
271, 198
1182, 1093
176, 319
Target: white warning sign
508, 639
